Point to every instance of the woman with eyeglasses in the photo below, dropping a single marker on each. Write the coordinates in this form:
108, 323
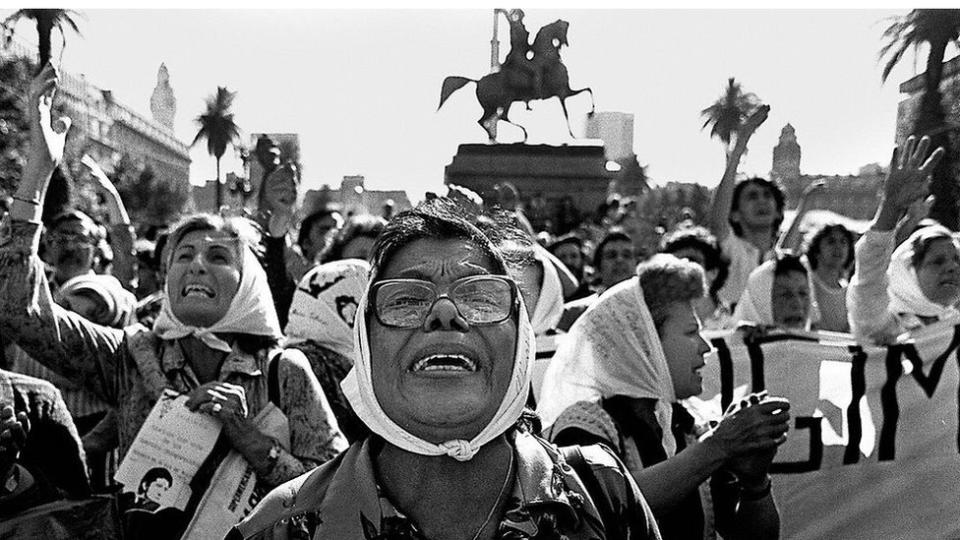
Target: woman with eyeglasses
216, 339
441, 376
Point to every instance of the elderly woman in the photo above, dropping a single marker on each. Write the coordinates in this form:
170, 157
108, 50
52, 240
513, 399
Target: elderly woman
320, 326
617, 380
215, 340
442, 374
778, 293
897, 290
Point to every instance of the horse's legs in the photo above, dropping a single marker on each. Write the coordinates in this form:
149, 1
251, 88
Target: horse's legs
563, 105
593, 105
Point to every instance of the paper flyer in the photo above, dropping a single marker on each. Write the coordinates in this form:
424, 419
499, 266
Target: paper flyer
167, 452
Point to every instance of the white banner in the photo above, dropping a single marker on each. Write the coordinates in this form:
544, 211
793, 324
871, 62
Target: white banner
874, 449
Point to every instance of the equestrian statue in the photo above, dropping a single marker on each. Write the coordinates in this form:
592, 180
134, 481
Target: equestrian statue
529, 72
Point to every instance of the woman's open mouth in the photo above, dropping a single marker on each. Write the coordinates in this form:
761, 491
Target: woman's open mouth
444, 363
197, 290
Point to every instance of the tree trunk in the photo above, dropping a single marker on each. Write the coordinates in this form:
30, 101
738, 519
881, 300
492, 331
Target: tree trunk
931, 121
44, 30
219, 192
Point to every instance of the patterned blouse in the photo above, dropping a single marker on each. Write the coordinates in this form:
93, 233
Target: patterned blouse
548, 501
129, 368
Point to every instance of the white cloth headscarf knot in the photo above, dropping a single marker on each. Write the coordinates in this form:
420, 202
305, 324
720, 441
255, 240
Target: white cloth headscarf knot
357, 386
326, 304
251, 311
612, 350
904, 286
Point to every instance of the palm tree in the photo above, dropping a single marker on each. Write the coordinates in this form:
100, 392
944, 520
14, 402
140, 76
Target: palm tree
218, 127
937, 28
728, 113
47, 20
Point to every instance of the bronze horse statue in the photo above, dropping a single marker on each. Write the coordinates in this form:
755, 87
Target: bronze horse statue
498, 90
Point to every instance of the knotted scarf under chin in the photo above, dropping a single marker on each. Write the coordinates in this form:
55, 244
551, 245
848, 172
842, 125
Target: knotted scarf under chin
358, 389
251, 311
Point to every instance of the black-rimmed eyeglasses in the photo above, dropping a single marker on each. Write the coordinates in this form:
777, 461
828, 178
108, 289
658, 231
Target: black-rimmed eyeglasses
480, 300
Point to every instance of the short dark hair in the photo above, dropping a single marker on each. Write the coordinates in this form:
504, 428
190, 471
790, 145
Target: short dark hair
812, 247
308, 222
437, 218
738, 191
152, 475
568, 238
361, 226
788, 262
613, 235
702, 240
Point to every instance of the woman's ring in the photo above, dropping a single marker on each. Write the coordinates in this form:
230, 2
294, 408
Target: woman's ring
217, 408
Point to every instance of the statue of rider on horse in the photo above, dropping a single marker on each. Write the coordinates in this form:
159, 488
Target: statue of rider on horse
529, 72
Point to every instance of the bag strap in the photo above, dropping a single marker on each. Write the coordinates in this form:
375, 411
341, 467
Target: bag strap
273, 379
573, 455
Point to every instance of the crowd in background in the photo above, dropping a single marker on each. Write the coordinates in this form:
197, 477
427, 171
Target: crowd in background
268, 308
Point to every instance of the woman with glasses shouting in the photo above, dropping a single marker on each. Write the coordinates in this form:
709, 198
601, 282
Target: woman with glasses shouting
444, 351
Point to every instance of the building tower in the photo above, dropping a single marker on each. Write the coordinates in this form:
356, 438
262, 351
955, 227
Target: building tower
786, 165
163, 105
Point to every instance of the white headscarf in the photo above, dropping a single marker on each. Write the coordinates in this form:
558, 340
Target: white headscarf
612, 350
358, 389
317, 312
549, 307
756, 302
903, 286
251, 311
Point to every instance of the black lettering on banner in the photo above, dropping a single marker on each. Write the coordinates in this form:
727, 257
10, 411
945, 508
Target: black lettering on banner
726, 372
889, 405
815, 425
858, 387
756, 365
928, 383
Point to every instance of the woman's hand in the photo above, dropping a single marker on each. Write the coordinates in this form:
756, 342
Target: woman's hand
749, 126
47, 137
754, 425
906, 182
13, 436
224, 401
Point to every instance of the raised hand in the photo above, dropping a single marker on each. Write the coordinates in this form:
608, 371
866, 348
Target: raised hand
909, 169
751, 124
47, 137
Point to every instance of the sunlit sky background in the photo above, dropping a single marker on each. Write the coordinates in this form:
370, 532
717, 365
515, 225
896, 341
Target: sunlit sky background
361, 87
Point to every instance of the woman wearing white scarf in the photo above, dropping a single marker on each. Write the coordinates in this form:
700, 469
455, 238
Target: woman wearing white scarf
892, 292
630, 357
442, 373
772, 281
320, 325
612, 350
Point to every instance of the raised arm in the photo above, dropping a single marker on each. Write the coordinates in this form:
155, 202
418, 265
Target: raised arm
867, 298
723, 195
81, 351
122, 236
791, 238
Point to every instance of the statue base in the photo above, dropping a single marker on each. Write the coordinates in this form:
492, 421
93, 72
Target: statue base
551, 172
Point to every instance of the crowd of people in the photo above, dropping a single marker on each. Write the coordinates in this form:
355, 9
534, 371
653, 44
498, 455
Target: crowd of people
446, 372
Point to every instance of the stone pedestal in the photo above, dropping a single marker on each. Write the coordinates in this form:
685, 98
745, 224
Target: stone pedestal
552, 172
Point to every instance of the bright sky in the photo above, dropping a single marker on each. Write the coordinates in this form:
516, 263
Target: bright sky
361, 87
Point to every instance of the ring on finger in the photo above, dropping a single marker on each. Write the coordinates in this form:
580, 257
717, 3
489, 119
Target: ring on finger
217, 408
